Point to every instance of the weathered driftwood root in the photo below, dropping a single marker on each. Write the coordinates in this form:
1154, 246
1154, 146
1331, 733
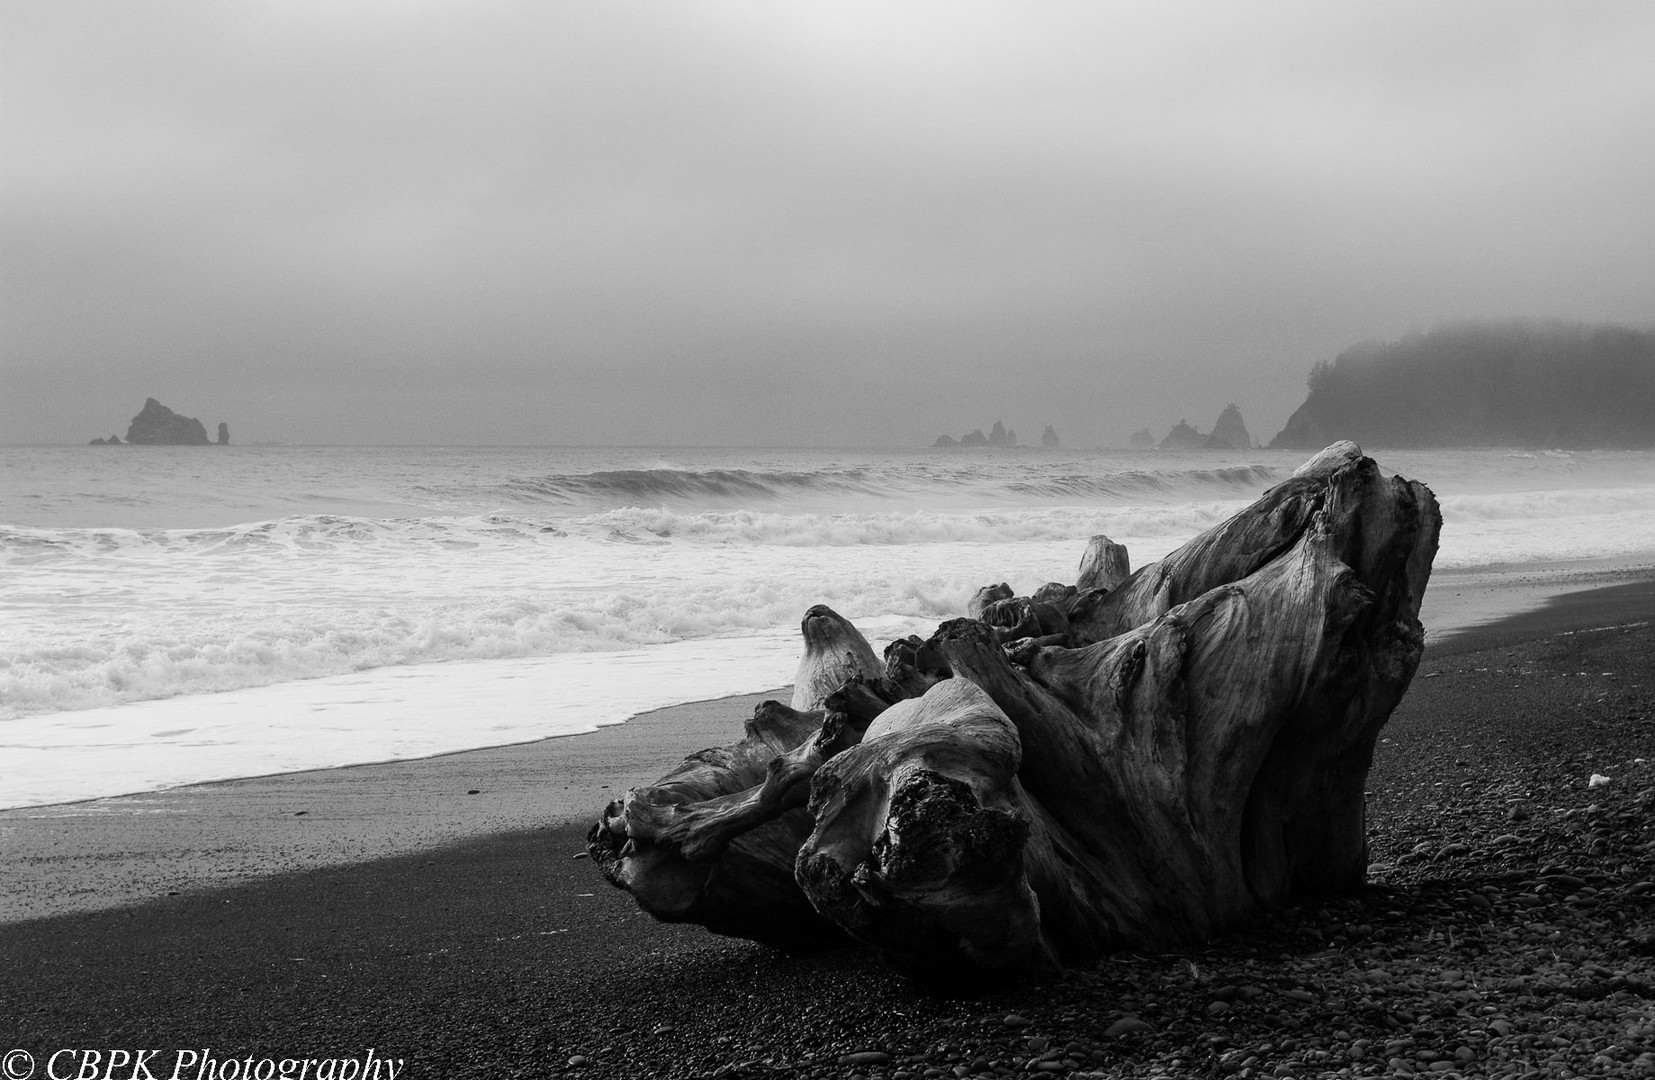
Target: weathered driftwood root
1177, 754
713, 841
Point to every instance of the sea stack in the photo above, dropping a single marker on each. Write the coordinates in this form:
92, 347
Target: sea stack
1184, 437
223, 433
157, 425
1230, 433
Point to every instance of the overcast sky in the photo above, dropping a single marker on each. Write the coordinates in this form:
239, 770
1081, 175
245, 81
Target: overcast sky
836, 223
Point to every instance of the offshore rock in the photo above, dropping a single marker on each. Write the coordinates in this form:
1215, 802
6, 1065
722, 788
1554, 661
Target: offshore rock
1184, 437
1049, 439
1229, 433
158, 425
1142, 439
1001, 436
223, 433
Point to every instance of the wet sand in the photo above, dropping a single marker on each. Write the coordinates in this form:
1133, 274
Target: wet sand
113, 852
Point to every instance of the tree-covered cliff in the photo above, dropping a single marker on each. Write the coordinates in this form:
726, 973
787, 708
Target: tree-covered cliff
1535, 384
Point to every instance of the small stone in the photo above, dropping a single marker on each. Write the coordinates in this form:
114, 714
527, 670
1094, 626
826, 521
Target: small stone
663, 1029
1217, 1008
1038, 1044
865, 1057
1013, 1020
1302, 995
1126, 1025
577, 1061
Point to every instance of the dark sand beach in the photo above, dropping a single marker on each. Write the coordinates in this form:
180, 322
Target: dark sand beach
1509, 929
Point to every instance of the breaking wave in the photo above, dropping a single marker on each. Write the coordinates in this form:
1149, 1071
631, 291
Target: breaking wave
927, 482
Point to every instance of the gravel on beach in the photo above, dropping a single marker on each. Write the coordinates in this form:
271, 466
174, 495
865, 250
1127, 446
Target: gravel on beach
1509, 931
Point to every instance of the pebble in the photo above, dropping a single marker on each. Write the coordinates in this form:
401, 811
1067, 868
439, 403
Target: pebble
865, 1057
1126, 1025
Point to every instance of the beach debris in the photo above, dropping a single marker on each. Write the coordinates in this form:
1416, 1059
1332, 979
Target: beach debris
835, 653
1598, 780
1142, 762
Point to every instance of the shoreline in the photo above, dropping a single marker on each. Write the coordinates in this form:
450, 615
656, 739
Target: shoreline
113, 851
1460, 601
1457, 601
1501, 932
116, 851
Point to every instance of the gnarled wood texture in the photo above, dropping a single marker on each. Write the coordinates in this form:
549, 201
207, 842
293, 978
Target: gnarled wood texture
1090, 769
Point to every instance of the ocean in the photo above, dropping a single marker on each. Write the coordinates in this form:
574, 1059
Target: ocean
179, 614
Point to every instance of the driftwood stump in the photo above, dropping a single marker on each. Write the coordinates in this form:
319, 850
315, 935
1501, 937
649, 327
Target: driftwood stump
1130, 763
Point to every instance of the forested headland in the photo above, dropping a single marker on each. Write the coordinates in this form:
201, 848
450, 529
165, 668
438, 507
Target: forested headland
1519, 383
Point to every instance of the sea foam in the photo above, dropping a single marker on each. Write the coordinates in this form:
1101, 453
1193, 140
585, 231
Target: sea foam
138, 584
